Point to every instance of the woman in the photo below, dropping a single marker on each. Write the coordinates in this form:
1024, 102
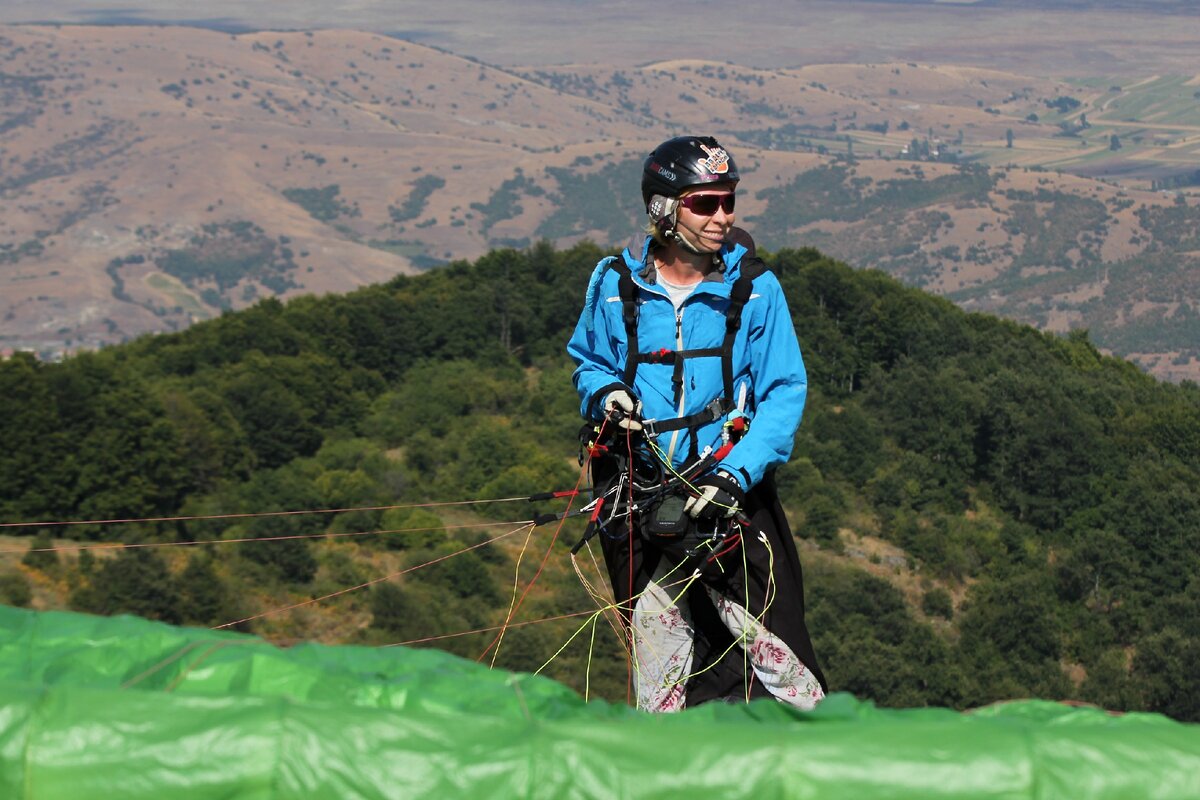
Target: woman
679, 346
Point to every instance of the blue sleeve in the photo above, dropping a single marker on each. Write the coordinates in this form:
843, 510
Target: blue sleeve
598, 353
780, 385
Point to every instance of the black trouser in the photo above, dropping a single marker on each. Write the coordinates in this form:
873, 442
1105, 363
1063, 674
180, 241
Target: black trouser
719, 666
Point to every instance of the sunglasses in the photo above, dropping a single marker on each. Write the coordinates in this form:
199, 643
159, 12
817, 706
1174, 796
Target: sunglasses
705, 205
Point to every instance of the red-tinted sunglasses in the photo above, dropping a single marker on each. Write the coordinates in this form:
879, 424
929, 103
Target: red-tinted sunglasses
705, 205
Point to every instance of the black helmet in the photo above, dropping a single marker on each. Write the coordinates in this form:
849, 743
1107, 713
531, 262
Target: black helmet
683, 162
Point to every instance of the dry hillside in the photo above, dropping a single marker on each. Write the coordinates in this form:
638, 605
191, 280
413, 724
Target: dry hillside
150, 177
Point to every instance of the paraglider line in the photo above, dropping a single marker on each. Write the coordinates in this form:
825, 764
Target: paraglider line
251, 515
371, 582
120, 545
516, 586
546, 557
489, 629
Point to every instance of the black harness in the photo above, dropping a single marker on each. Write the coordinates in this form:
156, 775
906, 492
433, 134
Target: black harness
628, 478
739, 293
634, 492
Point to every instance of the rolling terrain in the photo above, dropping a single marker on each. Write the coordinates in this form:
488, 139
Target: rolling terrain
154, 176
1040, 37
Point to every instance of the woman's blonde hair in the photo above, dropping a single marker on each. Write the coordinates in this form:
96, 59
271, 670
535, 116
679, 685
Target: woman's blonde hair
652, 230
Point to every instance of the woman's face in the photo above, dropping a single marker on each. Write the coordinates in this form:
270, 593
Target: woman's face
703, 230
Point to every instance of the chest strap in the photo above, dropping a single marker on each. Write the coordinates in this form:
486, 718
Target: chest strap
739, 294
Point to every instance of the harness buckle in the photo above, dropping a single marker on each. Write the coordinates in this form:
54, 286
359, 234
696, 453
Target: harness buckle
710, 413
663, 356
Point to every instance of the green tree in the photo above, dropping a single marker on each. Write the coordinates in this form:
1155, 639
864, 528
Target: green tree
401, 613
1109, 683
1012, 640
414, 528
37, 462
202, 593
135, 581
822, 517
211, 443
1164, 669
292, 559
465, 575
15, 589
41, 554
937, 603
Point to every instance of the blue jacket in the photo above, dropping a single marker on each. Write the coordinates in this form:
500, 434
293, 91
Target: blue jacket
768, 370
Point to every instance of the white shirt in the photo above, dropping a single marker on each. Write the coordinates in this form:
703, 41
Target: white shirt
678, 293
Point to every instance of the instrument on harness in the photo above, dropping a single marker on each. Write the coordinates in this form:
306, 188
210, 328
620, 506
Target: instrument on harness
635, 490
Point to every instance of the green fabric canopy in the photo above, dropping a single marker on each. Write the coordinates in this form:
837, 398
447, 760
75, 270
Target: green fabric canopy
95, 707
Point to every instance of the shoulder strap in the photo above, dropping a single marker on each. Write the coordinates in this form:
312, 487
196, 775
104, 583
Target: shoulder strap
629, 313
739, 294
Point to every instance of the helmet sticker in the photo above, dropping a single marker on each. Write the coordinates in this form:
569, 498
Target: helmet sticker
661, 170
717, 162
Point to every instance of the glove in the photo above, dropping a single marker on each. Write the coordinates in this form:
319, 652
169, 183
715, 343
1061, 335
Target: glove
622, 408
720, 496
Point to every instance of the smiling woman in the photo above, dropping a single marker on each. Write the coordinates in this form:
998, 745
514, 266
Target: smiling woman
699, 554
702, 224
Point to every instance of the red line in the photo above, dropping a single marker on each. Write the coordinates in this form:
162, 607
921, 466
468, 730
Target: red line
734, 541
629, 595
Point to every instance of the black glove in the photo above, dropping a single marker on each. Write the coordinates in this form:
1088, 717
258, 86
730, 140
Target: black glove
720, 496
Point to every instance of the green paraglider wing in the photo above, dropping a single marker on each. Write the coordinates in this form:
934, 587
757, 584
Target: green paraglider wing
94, 707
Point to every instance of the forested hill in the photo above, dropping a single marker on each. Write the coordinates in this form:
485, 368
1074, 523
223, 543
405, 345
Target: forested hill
986, 511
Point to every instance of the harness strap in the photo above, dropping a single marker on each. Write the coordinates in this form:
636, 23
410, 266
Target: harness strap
629, 312
665, 356
739, 295
710, 413
677, 358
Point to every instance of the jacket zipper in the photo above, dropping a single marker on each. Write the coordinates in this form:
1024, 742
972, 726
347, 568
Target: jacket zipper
683, 387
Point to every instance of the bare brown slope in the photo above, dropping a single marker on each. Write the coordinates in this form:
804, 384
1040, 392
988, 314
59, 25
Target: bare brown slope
123, 143
150, 177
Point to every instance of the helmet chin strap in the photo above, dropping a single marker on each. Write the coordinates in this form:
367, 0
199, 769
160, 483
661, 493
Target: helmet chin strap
676, 236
